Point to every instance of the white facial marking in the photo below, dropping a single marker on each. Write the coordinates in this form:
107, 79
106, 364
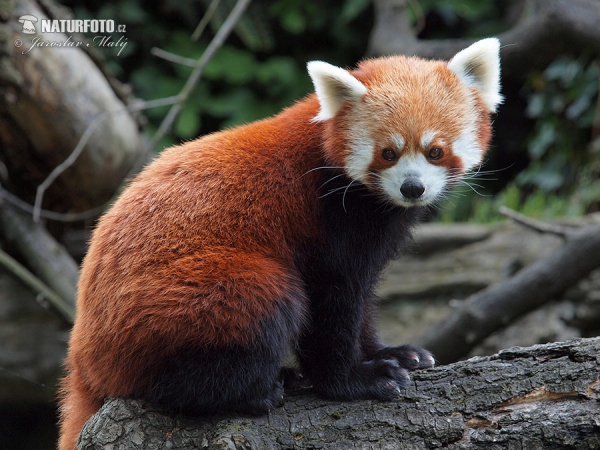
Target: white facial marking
360, 157
427, 138
431, 176
398, 141
467, 148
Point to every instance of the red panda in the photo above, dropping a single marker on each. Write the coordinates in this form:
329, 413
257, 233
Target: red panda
229, 250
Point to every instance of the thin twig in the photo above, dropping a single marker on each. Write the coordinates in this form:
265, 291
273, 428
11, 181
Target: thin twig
537, 225
36, 209
51, 215
61, 307
172, 57
194, 77
58, 170
175, 101
205, 19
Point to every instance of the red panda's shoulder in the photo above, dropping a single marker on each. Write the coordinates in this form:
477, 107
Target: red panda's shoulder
229, 186
289, 136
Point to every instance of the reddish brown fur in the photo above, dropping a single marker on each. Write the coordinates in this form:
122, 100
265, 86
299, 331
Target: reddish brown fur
425, 92
429, 95
145, 256
484, 123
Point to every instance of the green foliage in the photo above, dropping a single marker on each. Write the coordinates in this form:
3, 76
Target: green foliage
565, 168
252, 28
451, 10
260, 70
538, 204
461, 17
562, 100
294, 15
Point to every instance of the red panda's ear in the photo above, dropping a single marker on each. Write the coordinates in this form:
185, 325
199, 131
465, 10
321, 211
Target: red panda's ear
333, 86
479, 66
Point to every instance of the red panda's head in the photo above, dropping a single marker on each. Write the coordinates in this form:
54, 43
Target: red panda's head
406, 127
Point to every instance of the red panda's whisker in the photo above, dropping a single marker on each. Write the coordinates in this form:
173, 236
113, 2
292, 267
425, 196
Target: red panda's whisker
470, 186
331, 179
345, 188
320, 168
344, 196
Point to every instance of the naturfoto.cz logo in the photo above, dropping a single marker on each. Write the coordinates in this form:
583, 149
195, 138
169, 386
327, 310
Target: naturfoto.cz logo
31, 25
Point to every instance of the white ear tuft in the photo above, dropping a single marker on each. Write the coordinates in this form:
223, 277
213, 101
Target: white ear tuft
479, 66
333, 86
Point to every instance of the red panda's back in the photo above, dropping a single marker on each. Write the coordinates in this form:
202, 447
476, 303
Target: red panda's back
232, 204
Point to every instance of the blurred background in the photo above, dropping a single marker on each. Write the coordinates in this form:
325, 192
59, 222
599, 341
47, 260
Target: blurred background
80, 117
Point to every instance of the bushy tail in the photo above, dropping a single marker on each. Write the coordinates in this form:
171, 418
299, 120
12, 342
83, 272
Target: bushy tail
77, 405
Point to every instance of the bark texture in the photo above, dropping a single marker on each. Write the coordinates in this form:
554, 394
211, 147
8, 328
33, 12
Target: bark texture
537, 33
546, 396
46, 257
50, 95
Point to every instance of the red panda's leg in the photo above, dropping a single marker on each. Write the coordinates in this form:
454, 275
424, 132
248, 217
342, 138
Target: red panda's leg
330, 353
409, 357
340, 351
239, 314
370, 343
225, 378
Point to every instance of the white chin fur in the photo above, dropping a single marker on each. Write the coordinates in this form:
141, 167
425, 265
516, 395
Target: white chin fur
432, 177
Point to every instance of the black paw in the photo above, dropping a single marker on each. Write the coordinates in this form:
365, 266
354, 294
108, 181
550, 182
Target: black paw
381, 380
293, 379
387, 380
408, 356
261, 406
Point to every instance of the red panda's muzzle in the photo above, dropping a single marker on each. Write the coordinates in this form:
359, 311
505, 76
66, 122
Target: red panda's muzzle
412, 188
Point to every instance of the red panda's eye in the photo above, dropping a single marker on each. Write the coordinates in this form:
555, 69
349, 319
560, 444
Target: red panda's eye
389, 154
435, 153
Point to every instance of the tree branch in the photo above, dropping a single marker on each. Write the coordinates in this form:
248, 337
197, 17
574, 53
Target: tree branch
492, 308
194, 77
51, 97
538, 397
63, 309
545, 29
36, 209
537, 225
47, 258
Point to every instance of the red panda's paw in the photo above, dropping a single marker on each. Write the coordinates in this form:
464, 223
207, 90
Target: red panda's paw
293, 378
408, 356
379, 380
261, 406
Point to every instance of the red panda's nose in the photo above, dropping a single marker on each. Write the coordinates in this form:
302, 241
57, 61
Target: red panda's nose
412, 188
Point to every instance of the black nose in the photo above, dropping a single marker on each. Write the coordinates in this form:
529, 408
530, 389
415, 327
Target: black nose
412, 188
